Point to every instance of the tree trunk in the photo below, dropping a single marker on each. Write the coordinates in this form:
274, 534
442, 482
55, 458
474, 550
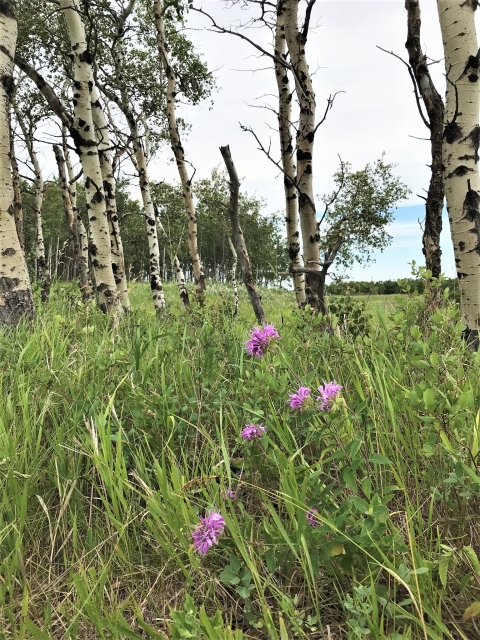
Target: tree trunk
238, 238
234, 277
142, 170
288, 163
182, 287
71, 215
88, 149
86, 286
296, 41
17, 194
460, 152
43, 272
16, 300
435, 109
109, 188
178, 152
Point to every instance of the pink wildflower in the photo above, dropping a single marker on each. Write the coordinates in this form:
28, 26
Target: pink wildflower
259, 340
228, 493
312, 520
328, 393
252, 431
299, 399
207, 532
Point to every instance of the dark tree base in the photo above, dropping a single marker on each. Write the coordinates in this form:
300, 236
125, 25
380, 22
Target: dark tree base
471, 338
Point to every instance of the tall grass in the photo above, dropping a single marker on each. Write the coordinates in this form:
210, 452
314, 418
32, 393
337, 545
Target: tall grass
114, 441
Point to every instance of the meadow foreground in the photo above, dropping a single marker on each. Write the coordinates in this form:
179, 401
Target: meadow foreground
161, 480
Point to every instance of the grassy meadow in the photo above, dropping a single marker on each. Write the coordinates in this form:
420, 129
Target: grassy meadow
359, 522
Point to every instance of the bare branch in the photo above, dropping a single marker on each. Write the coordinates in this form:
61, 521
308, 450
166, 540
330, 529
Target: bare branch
330, 100
263, 51
336, 193
415, 87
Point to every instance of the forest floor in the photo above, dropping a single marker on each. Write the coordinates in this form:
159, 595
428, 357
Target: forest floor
357, 520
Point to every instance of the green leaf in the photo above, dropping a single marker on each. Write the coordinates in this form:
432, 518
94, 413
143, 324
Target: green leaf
367, 486
473, 559
377, 458
471, 611
228, 577
465, 400
420, 571
359, 504
37, 633
443, 565
234, 562
429, 399
244, 592
349, 478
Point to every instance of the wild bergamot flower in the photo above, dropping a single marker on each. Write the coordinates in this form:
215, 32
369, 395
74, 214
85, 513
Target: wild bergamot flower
299, 399
207, 532
259, 339
328, 392
252, 431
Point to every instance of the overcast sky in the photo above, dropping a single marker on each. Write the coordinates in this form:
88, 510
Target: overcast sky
377, 113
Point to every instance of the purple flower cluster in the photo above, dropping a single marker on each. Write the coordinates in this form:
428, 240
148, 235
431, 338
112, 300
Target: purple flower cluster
252, 431
299, 399
328, 392
228, 494
259, 339
312, 520
207, 532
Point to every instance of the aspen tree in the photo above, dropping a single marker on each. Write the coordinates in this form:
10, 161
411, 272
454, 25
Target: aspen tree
296, 40
182, 287
88, 149
287, 156
43, 273
109, 188
140, 161
178, 151
16, 300
78, 233
17, 194
460, 152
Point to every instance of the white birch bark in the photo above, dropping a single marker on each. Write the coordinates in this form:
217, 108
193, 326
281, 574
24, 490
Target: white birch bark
296, 41
71, 215
182, 287
85, 282
109, 188
460, 152
179, 153
43, 272
142, 170
17, 194
88, 148
16, 300
288, 162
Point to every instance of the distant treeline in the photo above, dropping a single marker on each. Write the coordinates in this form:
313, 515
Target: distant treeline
385, 287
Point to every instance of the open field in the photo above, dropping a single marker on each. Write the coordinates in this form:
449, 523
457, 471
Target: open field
360, 521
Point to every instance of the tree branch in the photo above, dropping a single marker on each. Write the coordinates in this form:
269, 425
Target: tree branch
329, 106
46, 90
415, 86
308, 15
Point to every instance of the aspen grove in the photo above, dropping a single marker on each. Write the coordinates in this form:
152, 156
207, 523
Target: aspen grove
211, 425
